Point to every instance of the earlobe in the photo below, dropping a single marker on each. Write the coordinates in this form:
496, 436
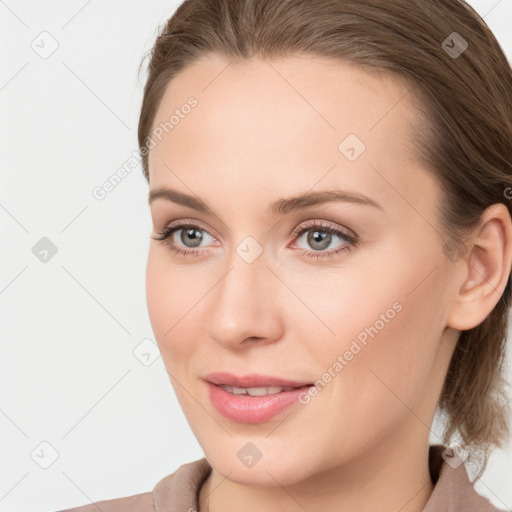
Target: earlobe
485, 269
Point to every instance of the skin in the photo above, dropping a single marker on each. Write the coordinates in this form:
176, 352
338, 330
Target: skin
263, 131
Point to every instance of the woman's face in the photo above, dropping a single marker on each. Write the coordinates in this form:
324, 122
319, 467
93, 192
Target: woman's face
350, 294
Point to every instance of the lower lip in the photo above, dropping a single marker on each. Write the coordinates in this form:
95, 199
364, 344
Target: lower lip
252, 409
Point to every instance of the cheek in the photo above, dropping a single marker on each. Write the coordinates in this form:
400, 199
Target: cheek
163, 288
158, 282
175, 305
387, 355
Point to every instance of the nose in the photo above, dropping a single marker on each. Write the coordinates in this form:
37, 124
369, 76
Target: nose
245, 306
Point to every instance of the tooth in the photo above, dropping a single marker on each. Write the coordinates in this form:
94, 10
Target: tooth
275, 389
257, 391
261, 391
238, 391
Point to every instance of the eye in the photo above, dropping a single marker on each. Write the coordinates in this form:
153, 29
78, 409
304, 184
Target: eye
184, 238
189, 236
319, 236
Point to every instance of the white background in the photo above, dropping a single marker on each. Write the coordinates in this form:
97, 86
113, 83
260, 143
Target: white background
68, 375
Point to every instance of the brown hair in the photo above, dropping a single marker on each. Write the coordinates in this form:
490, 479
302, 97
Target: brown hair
465, 105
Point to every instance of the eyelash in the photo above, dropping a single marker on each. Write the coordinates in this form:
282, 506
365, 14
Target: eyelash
353, 241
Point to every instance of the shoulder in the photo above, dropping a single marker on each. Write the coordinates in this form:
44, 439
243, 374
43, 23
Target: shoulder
136, 503
176, 491
453, 490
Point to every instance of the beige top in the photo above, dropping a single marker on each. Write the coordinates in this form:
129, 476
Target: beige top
179, 491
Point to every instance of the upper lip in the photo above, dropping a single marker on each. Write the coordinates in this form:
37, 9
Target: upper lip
252, 380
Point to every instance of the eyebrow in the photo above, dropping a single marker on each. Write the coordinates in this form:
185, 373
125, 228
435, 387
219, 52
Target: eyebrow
279, 207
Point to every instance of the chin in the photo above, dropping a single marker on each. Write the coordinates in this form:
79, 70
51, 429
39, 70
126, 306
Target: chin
275, 468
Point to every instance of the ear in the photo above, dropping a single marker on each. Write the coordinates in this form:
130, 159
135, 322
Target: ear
484, 269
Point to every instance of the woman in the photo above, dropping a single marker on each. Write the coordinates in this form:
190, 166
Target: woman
329, 185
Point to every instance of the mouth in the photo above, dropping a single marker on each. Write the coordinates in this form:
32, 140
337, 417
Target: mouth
260, 399
254, 382
259, 391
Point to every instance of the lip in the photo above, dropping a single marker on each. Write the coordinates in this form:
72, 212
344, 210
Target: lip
252, 409
252, 380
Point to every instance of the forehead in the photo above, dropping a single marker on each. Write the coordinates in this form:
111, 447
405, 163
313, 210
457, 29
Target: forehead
283, 124
338, 95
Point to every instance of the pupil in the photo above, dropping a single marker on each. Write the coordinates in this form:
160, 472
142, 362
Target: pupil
320, 237
193, 236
